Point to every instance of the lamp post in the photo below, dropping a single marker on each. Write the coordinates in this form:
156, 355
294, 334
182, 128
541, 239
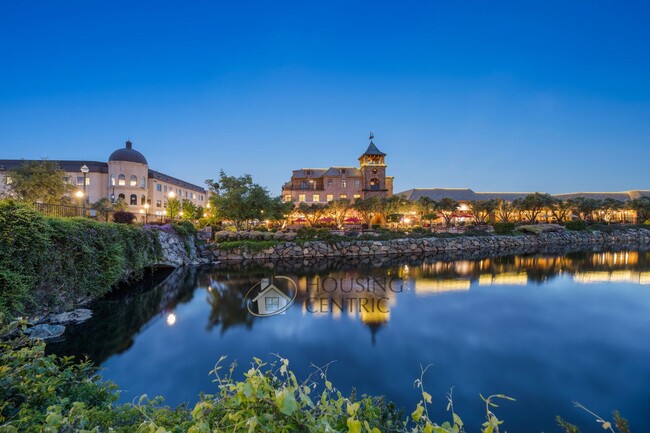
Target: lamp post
84, 170
79, 195
146, 212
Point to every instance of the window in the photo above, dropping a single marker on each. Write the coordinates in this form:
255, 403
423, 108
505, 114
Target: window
185, 193
134, 180
304, 184
344, 183
191, 195
133, 199
357, 183
158, 203
330, 183
121, 180
330, 197
143, 182
112, 180
272, 303
158, 187
356, 196
165, 188
374, 184
344, 196
165, 204
316, 197
287, 198
301, 197
143, 200
121, 197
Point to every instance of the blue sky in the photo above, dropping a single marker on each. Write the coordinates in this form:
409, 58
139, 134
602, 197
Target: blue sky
497, 96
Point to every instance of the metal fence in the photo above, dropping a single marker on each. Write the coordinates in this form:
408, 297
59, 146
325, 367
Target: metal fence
69, 211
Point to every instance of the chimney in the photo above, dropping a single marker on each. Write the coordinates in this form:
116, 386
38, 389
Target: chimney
129, 145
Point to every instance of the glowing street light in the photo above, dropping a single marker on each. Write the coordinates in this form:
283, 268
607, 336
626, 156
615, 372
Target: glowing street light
79, 195
171, 319
84, 169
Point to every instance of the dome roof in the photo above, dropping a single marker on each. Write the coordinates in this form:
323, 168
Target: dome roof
128, 154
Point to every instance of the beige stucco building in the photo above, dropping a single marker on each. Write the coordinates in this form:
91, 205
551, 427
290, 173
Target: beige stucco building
322, 185
125, 176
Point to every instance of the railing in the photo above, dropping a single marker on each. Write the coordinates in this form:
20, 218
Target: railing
59, 210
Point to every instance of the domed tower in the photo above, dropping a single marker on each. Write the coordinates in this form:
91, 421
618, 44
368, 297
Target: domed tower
373, 169
128, 173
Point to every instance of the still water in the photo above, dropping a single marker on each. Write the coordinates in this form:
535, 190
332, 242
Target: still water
544, 329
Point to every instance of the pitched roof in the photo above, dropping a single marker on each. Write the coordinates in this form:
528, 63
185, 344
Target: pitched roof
507, 196
309, 172
372, 150
70, 166
622, 196
340, 171
458, 194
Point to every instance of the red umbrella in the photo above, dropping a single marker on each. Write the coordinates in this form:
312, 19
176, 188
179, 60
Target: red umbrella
326, 219
352, 220
300, 220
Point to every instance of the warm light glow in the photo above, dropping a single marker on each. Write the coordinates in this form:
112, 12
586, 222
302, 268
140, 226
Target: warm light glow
146, 205
208, 206
79, 194
171, 319
205, 215
171, 194
141, 210
181, 213
407, 220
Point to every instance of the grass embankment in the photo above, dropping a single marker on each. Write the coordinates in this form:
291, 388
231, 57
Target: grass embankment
53, 263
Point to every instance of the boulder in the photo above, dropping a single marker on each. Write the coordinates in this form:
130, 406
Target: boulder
75, 316
45, 331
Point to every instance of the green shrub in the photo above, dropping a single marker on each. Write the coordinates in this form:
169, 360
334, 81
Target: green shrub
184, 228
502, 228
58, 261
250, 246
123, 217
576, 225
537, 229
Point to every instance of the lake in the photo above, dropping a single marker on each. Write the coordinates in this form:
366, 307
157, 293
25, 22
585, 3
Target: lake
545, 329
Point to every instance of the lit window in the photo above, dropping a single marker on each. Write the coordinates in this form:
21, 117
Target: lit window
344, 196
112, 180
356, 196
272, 303
287, 198
316, 197
344, 183
133, 180
301, 197
330, 197
121, 180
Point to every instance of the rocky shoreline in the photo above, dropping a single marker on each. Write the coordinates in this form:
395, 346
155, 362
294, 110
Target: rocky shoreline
456, 246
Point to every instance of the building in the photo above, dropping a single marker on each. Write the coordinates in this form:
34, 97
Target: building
126, 176
322, 185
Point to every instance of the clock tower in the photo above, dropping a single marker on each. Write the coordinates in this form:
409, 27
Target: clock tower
373, 170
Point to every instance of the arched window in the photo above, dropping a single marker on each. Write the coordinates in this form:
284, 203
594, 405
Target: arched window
121, 180
134, 199
143, 182
374, 184
112, 180
121, 197
143, 200
134, 180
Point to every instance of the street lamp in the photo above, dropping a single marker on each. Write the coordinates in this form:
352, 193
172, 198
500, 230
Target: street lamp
84, 170
146, 212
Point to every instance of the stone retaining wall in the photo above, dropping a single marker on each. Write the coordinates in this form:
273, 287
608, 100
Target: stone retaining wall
631, 238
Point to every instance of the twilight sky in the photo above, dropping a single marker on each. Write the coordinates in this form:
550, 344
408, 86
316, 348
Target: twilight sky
527, 96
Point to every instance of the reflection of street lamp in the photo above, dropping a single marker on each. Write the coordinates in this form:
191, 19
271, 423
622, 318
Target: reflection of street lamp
84, 170
79, 195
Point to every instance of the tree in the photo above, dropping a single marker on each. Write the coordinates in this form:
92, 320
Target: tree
504, 210
641, 206
312, 212
394, 208
338, 210
38, 181
560, 209
482, 209
279, 210
446, 208
533, 205
239, 200
584, 207
103, 206
609, 207
190, 210
428, 209
173, 207
367, 208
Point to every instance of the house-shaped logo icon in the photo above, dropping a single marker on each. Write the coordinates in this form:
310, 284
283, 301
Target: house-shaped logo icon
271, 300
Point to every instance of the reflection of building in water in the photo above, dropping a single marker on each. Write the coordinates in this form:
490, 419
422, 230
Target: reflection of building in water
424, 286
612, 277
505, 279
